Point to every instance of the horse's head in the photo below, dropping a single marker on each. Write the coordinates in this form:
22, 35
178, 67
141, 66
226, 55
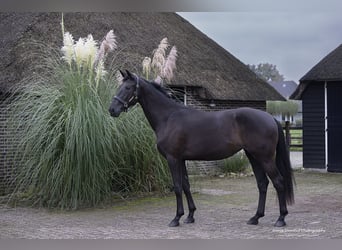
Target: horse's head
127, 95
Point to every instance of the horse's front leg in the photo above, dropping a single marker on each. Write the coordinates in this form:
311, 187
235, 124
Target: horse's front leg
176, 172
187, 192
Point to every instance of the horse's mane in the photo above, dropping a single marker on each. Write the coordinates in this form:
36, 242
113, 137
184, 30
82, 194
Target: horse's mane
160, 88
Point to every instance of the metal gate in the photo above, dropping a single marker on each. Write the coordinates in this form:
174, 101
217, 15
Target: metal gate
334, 112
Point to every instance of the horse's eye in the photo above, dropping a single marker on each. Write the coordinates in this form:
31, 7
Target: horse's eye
128, 88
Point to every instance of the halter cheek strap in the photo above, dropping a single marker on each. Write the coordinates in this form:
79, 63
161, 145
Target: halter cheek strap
125, 104
133, 97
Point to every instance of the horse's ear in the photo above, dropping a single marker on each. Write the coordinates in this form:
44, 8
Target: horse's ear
129, 74
122, 73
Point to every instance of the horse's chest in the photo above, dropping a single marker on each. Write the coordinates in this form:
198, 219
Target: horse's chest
171, 144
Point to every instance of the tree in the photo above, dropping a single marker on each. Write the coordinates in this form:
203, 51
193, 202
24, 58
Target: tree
287, 108
267, 71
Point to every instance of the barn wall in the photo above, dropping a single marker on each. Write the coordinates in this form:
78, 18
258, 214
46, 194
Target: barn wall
194, 100
314, 126
6, 149
334, 102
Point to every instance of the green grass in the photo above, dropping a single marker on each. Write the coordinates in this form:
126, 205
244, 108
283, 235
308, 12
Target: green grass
289, 108
237, 163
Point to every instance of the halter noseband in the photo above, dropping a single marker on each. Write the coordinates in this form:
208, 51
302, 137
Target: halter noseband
133, 97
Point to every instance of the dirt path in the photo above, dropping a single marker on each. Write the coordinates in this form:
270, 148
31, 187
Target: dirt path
224, 205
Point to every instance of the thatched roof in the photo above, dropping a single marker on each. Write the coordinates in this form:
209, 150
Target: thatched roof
328, 69
201, 62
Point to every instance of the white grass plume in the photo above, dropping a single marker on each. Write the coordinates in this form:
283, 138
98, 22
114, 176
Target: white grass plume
146, 66
170, 64
162, 66
119, 77
159, 55
90, 50
108, 44
68, 47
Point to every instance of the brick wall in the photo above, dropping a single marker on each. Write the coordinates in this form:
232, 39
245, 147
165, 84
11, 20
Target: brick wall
7, 143
194, 100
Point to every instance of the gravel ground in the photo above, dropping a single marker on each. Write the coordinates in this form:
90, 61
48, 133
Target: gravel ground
224, 205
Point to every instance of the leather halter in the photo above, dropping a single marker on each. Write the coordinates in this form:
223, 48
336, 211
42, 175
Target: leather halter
133, 98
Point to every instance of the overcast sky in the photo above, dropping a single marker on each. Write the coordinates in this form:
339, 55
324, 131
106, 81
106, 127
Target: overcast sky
294, 41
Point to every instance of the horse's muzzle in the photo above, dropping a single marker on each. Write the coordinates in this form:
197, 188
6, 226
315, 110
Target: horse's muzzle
114, 113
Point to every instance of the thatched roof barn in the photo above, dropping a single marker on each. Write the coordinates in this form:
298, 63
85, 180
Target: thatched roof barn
201, 61
321, 93
205, 71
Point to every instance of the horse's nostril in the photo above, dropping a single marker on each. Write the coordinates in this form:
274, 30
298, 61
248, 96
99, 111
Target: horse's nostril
111, 111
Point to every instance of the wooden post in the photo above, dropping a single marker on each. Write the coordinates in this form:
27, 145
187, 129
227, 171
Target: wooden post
287, 134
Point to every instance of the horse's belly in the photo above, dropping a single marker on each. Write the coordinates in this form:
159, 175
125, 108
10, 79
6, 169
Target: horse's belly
199, 142
210, 150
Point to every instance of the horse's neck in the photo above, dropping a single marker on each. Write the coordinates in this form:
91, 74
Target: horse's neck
156, 106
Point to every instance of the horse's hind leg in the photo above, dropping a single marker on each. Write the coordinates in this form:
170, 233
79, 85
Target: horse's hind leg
262, 183
186, 189
278, 183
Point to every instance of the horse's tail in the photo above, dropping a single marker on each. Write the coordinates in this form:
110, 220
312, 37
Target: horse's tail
284, 165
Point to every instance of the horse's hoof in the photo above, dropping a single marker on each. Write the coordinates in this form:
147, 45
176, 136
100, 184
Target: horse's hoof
280, 223
253, 221
174, 223
189, 220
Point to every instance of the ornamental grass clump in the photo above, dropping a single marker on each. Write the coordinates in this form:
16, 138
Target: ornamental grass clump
162, 65
237, 163
71, 153
65, 146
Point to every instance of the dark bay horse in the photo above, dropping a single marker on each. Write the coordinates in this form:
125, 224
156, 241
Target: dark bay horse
185, 133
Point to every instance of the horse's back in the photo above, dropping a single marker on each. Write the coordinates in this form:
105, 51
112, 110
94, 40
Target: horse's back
254, 117
223, 123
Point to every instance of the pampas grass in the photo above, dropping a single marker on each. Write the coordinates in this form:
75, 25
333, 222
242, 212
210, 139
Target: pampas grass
146, 64
161, 66
158, 60
65, 149
108, 44
71, 153
170, 64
